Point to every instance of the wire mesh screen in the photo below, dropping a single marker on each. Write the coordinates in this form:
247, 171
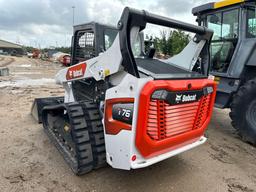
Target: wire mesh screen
85, 48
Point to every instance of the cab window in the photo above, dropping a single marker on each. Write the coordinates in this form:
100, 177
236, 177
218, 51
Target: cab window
109, 37
214, 23
251, 23
225, 26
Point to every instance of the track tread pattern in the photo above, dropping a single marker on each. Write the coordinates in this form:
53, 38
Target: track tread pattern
96, 133
87, 136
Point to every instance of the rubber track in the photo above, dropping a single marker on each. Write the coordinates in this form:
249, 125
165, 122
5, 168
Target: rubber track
88, 138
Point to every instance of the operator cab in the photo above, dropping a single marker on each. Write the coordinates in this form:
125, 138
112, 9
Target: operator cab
90, 39
232, 21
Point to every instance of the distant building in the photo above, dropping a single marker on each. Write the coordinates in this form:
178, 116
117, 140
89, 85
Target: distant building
10, 48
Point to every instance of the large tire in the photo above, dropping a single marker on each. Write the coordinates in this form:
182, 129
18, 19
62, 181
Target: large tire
243, 111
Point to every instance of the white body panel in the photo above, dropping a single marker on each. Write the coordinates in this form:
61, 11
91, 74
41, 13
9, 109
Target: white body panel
187, 58
109, 61
69, 97
121, 147
141, 162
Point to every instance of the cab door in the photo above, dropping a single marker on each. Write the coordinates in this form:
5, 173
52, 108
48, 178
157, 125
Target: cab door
225, 25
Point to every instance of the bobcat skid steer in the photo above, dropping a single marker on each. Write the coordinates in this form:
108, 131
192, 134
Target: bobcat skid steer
136, 110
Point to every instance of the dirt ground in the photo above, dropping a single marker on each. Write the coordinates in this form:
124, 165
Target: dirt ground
29, 162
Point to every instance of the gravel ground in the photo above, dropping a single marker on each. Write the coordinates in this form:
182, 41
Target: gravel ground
29, 162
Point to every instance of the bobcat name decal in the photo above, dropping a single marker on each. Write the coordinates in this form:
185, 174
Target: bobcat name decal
76, 71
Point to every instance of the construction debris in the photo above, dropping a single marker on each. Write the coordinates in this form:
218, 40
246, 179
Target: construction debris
4, 71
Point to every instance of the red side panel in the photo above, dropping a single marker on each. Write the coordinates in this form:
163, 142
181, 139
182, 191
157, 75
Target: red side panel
112, 126
165, 127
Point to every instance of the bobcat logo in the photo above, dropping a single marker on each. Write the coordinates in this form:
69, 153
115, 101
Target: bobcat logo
188, 98
178, 98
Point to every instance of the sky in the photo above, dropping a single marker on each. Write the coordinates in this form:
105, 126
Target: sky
46, 23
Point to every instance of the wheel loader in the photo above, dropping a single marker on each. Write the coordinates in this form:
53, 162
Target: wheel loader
233, 59
133, 109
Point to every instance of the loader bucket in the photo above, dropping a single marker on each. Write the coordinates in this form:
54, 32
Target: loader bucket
40, 103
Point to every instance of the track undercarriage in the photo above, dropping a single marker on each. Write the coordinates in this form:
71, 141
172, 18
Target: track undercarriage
77, 132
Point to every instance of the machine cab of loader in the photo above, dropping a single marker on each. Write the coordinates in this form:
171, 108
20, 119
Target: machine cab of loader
91, 39
233, 23
88, 41
233, 43
233, 59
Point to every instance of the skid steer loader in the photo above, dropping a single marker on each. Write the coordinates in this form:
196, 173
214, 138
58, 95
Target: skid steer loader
136, 110
233, 59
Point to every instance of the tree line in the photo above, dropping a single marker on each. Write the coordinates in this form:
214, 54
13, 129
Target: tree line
170, 43
59, 49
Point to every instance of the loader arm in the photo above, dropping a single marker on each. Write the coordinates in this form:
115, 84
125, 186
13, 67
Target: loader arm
120, 56
133, 18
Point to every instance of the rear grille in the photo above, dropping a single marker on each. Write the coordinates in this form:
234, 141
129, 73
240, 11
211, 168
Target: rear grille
203, 111
165, 120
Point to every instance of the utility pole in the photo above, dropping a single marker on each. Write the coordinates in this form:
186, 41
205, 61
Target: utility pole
73, 8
